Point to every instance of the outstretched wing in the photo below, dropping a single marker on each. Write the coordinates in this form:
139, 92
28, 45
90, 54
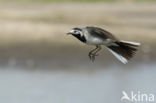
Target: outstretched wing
98, 32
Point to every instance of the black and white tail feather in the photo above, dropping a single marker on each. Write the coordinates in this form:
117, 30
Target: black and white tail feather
123, 50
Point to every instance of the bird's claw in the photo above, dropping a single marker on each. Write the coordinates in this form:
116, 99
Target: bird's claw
92, 56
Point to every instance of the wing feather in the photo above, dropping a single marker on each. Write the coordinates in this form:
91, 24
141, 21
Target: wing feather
98, 32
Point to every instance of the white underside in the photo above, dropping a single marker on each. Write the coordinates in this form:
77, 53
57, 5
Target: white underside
94, 41
98, 41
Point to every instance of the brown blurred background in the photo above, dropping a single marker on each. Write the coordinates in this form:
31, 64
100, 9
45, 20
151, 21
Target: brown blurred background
39, 63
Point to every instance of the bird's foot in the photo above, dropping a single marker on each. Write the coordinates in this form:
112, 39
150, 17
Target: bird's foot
92, 56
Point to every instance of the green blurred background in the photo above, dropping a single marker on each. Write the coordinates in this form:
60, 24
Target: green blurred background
39, 63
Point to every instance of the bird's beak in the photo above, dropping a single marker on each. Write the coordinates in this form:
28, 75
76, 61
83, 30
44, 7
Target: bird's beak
69, 33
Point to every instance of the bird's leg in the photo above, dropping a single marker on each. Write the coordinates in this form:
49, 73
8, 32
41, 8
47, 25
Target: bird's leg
91, 53
95, 52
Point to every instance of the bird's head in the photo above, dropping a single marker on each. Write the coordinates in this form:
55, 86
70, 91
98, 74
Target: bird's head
75, 32
78, 33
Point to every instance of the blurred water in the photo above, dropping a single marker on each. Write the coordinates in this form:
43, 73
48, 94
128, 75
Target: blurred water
83, 85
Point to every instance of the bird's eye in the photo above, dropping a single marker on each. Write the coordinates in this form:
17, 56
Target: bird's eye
76, 32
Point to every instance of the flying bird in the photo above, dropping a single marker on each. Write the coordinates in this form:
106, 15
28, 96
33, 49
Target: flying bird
122, 50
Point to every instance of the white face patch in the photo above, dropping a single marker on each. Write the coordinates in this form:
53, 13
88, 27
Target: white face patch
72, 31
76, 32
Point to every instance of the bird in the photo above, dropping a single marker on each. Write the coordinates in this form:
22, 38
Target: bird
96, 36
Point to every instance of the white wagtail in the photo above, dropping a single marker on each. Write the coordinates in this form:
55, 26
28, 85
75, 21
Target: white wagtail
122, 50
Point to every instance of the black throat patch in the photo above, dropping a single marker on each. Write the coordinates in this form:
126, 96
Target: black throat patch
81, 38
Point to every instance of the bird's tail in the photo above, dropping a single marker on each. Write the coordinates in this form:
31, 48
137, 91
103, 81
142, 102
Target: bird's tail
123, 50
